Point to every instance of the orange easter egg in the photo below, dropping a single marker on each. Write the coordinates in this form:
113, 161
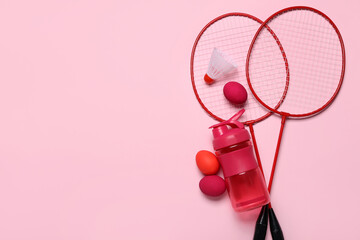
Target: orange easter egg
207, 162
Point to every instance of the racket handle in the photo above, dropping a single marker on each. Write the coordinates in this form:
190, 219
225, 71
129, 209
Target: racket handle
275, 228
261, 224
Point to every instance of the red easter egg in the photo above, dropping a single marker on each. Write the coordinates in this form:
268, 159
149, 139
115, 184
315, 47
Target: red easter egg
212, 185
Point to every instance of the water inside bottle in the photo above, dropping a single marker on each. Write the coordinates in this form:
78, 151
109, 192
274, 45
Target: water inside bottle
247, 190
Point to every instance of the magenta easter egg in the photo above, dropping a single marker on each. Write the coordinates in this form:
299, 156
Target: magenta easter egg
235, 93
212, 185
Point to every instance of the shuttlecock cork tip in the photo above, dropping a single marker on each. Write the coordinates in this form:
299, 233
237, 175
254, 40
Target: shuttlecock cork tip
208, 79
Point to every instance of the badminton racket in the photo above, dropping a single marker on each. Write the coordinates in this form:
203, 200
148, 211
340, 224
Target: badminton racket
231, 33
316, 64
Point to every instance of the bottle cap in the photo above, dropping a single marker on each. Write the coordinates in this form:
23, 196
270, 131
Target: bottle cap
229, 132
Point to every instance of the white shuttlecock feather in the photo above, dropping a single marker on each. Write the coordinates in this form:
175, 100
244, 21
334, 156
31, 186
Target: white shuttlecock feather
220, 64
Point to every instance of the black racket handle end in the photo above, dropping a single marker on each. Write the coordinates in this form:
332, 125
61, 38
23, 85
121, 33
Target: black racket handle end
275, 228
261, 224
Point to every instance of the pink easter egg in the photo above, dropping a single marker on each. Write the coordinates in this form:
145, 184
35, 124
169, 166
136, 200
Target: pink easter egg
212, 185
235, 93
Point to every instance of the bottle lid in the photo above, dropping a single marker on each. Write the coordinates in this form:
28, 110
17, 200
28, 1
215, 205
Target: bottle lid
229, 132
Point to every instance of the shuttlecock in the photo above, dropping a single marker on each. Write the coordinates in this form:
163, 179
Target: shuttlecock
219, 65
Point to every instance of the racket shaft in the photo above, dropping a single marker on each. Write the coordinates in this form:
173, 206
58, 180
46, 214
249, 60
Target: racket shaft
276, 152
256, 148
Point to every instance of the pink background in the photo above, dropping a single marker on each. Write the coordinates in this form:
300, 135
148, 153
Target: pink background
99, 127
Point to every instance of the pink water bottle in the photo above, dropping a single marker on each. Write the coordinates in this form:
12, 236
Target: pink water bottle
244, 180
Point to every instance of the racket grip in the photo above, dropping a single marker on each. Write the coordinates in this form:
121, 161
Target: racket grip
275, 228
261, 224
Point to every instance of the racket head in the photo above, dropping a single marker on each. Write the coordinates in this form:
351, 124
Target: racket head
231, 33
315, 56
